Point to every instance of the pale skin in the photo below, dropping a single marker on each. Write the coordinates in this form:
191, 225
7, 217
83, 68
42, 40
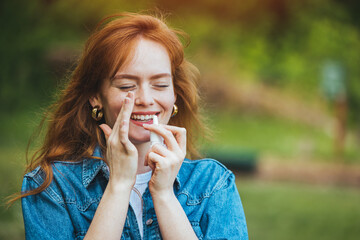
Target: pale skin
144, 85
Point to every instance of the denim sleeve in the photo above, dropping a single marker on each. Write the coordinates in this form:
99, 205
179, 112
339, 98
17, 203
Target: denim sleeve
44, 215
224, 216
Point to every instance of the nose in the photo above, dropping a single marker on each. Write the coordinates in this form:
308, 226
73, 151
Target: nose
143, 96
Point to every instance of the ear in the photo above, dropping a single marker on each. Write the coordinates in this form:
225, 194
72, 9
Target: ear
95, 101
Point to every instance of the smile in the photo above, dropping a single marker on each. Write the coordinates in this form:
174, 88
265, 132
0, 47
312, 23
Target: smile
145, 118
139, 118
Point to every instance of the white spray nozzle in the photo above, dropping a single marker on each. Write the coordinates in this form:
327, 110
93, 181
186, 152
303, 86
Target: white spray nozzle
155, 120
154, 138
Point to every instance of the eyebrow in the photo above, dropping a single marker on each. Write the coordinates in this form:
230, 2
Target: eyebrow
134, 77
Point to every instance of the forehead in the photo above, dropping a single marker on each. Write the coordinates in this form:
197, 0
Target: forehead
149, 57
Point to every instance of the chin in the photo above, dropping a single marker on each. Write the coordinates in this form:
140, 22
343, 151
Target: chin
137, 140
139, 136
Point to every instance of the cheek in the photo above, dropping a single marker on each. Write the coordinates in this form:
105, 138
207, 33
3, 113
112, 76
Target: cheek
112, 110
168, 104
168, 101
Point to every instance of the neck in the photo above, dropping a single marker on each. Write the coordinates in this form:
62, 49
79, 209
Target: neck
142, 149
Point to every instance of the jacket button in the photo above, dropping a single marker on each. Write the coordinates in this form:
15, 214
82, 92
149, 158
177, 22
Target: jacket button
149, 222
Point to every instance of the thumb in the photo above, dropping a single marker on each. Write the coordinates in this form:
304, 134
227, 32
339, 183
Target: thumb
106, 129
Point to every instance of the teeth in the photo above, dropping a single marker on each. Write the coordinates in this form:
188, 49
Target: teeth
142, 117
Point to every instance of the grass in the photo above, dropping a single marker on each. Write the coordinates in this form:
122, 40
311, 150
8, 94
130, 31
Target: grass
16, 129
298, 211
276, 137
11, 171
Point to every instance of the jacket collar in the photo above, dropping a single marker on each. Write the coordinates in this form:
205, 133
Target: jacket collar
92, 167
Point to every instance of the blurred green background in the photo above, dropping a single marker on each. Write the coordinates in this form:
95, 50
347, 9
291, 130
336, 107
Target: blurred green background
280, 83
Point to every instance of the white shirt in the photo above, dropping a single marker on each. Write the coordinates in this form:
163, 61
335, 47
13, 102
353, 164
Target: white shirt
142, 181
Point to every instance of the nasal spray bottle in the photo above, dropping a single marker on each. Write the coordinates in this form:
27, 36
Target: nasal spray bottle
155, 138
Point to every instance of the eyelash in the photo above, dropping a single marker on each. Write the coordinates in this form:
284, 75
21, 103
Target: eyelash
162, 85
127, 88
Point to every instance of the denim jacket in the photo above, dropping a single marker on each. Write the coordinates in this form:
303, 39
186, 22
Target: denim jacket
205, 189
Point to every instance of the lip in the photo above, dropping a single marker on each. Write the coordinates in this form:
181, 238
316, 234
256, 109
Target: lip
141, 123
146, 113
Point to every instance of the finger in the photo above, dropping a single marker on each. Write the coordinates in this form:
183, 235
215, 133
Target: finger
169, 138
156, 161
124, 137
149, 163
160, 150
106, 130
125, 115
174, 137
179, 134
127, 106
118, 119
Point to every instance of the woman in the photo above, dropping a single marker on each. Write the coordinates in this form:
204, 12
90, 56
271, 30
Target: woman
97, 175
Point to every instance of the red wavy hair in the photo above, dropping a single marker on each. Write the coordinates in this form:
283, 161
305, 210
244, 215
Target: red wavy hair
72, 134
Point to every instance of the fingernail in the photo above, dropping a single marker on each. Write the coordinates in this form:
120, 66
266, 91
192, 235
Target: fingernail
127, 100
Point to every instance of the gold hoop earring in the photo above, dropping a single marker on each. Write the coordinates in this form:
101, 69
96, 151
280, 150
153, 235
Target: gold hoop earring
175, 111
97, 113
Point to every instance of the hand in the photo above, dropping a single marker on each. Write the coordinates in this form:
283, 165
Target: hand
165, 162
121, 154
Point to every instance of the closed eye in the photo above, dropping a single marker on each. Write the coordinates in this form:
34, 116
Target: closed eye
162, 85
127, 87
